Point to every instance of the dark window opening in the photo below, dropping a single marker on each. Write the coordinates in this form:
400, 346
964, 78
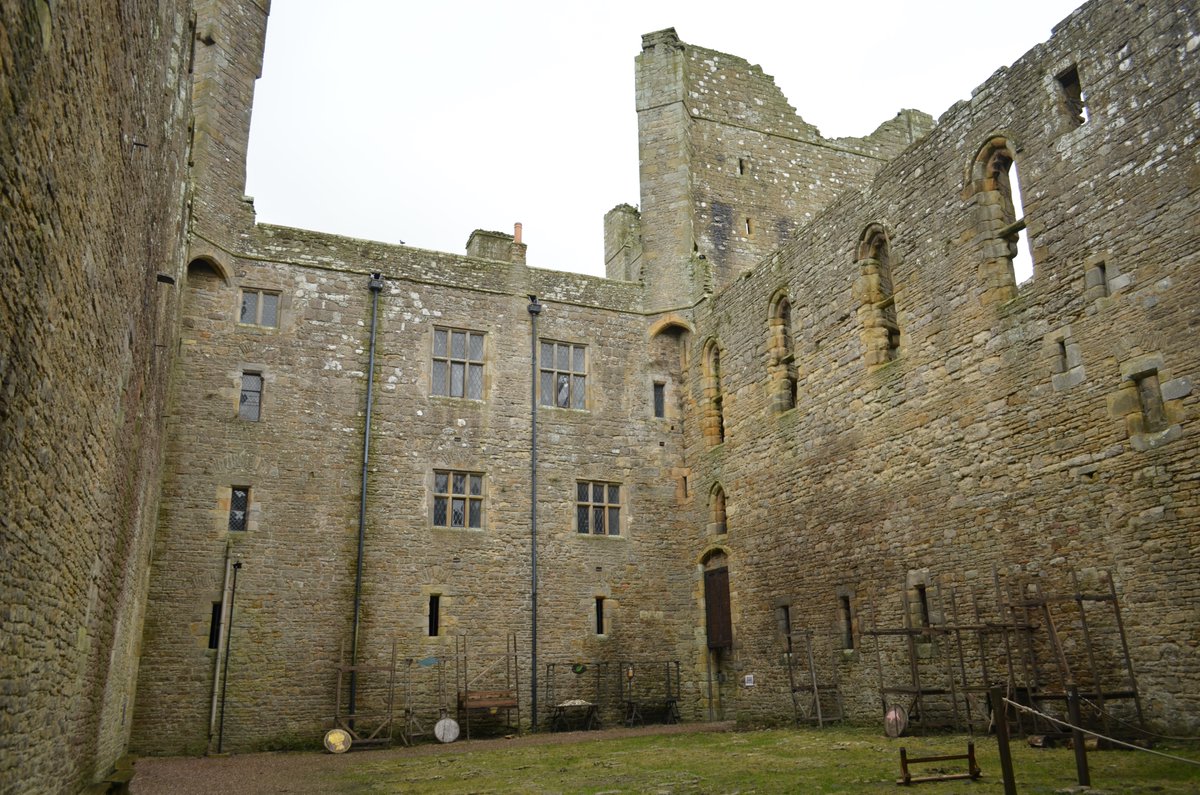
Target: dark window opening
685, 485
749, 227
250, 403
435, 609
923, 605
741, 166
660, 400
1154, 415
1062, 356
719, 522
239, 508
1072, 96
214, 626
785, 624
599, 615
846, 622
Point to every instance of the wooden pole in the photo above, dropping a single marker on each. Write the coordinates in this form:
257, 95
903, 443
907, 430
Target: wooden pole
1081, 763
1000, 718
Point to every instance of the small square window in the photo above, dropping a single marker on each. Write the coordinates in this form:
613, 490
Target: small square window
239, 508
250, 403
259, 308
598, 508
457, 363
457, 499
563, 375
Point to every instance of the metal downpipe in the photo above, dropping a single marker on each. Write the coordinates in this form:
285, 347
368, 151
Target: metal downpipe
375, 285
535, 309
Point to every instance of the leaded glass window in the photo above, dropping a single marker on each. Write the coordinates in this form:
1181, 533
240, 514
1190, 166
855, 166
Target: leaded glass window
457, 499
250, 403
457, 363
563, 375
598, 508
239, 508
259, 308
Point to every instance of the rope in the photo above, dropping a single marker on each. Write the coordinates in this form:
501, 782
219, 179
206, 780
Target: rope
1135, 727
1044, 716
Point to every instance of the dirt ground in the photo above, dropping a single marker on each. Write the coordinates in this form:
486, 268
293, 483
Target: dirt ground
312, 772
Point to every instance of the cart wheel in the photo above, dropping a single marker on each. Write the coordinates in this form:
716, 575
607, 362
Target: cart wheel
337, 741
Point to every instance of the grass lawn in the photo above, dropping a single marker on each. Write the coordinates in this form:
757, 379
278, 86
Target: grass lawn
849, 760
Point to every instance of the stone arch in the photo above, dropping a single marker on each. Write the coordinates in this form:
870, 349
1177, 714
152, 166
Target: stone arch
205, 266
875, 292
998, 215
713, 424
781, 358
717, 519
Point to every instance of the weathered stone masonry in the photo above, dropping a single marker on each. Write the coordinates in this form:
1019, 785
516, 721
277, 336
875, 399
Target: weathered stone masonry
858, 400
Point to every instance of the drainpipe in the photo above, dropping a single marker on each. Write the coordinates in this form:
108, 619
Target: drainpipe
375, 285
222, 630
535, 309
228, 639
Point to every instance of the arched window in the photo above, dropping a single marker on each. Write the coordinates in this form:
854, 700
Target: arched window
714, 400
781, 361
874, 290
716, 511
996, 191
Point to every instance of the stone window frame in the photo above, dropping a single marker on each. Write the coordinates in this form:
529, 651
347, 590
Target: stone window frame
1064, 81
259, 293
875, 291
586, 506
1065, 359
845, 620
1149, 402
245, 413
576, 399
990, 189
449, 359
713, 421
447, 497
781, 353
718, 511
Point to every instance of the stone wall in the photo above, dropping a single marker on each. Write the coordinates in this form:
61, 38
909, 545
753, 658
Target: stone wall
948, 422
93, 148
1003, 433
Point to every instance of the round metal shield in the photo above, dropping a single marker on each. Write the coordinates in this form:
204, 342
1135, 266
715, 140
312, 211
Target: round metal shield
446, 730
337, 741
895, 721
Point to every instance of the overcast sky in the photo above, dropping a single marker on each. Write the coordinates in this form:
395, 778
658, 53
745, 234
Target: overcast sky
399, 121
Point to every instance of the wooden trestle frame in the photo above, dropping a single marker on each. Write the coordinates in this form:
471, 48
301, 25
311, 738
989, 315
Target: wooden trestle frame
498, 697
805, 683
365, 728
951, 663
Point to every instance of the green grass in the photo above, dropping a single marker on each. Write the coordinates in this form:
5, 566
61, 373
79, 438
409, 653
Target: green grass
852, 760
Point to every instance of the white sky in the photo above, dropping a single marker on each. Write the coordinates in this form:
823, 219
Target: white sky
399, 121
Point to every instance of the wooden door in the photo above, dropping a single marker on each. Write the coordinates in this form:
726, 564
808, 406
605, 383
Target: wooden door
716, 608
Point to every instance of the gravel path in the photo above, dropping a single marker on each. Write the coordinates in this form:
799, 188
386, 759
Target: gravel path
314, 772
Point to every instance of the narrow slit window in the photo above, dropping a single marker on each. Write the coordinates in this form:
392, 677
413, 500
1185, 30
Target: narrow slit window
749, 227
846, 621
250, 402
1062, 356
922, 605
599, 615
239, 508
785, 626
1023, 261
435, 614
741, 166
1150, 398
214, 626
660, 400
1073, 101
